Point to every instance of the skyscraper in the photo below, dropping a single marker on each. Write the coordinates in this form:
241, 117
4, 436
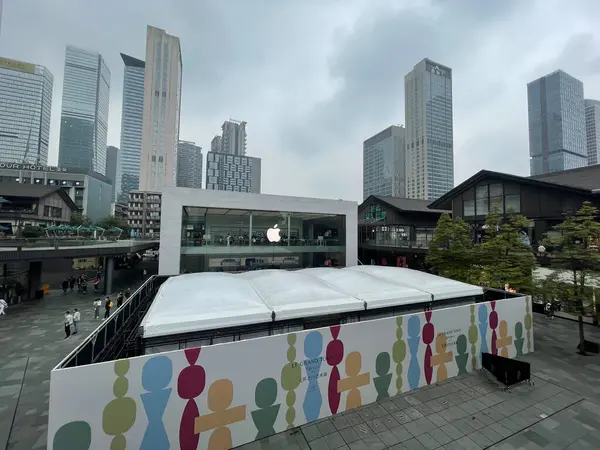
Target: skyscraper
189, 165
556, 123
84, 113
234, 138
383, 163
112, 158
216, 144
25, 108
162, 105
592, 130
429, 133
225, 172
132, 117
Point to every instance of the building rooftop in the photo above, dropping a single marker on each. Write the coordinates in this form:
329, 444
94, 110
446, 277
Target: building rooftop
408, 204
582, 177
13, 190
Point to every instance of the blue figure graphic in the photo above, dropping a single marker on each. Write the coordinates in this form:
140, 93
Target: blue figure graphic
414, 339
313, 346
156, 376
483, 327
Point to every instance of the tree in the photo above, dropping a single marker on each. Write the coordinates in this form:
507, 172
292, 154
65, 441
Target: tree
576, 251
78, 219
451, 251
112, 222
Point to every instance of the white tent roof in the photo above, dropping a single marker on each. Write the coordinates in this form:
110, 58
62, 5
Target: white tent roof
205, 301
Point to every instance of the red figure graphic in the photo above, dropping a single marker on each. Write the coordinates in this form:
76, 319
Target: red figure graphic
190, 384
428, 335
334, 355
493, 326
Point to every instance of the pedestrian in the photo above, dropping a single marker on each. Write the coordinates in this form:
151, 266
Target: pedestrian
107, 305
548, 309
128, 293
3, 306
65, 285
72, 282
68, 322
120, 299
97, 304
76, 319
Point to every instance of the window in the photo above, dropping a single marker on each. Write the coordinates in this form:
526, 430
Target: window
512, 203
481, 191
469, 208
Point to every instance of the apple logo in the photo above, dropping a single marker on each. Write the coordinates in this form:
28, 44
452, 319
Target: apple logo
273, 234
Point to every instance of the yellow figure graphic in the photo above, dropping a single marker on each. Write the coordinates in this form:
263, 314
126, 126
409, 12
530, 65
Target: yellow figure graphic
353, 381
441, 358
503, 341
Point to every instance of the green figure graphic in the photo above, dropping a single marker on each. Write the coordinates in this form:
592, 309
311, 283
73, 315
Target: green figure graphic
73, 436
473, 336
462, 357
290, 380
264, 418
398, 354
119, 414
519, 340
383, 380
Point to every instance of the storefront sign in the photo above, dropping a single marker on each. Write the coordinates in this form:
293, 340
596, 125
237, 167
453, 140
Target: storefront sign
33, 167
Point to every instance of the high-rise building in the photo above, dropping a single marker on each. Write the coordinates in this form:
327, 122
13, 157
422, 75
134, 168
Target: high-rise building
1, 8
592, 130
112, 158
189, 165
384, 163
556, 123
216, 144
25, 107
429, 133
234, 138
225, 172
162, 105
132, 117
84, 113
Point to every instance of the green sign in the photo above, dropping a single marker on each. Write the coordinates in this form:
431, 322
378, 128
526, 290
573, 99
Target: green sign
375, 213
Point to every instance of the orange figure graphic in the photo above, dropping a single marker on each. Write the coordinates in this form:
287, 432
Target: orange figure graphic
503, 341
353, 381
220, 397
441, 357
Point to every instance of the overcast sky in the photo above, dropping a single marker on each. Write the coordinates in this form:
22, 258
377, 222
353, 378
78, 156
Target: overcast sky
315, 78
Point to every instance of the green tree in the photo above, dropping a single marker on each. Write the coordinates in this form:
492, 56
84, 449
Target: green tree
451, 251
112, 222
78, 219
576, 251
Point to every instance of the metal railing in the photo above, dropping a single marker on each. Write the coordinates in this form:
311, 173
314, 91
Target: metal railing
116, 336
58, 242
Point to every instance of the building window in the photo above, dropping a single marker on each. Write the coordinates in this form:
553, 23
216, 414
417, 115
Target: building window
512, 203
469, 208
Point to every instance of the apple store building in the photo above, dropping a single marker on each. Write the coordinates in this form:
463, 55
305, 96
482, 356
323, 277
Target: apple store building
223, 231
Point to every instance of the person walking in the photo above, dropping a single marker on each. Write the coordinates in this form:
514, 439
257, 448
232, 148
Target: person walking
65, 285
97, 304
76, 319
107, 305
128, 293
120, 299
3, 306
68, 322
72, 282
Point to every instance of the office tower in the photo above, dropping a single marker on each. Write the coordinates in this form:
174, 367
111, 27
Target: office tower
592, 130
112, 158
1, 8
162, 105
225, 172
429, 134
84, 112
189, 165
234, 138
216, 144
556, 123
25, 107
132, 117
383, 163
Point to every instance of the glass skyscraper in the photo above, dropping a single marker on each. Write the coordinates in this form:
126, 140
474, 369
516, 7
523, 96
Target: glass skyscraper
132, 117
429, 132
384, 163
556, 112
25, 108
189, 165
84, 114
592, 130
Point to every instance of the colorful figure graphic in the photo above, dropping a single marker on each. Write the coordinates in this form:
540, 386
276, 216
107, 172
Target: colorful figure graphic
119, 414
473, 336
414, 339
504, 340
384, 378
220, 397
73, 436
190, 385
313, 346
441, 358
290, 380
334, 355
462, 357
483, 327
493, 326
353, 381
399, 354
519, 340
156, 376
528, 323
428, 335
264, 418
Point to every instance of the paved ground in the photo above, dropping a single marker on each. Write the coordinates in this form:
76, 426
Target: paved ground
31, 344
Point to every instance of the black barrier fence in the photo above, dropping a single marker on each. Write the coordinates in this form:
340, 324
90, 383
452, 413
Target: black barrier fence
506, 370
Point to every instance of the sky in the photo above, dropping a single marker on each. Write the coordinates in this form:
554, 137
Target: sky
315, 78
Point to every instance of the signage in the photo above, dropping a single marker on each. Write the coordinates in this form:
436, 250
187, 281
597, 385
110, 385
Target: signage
375, 213
13, 64
438, 70
33, 167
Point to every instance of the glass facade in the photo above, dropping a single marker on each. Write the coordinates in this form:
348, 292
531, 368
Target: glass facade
84, 114
189, 165
132, 116
592, 130
557, 134
216, 239
25, 108
383, 163
491, 197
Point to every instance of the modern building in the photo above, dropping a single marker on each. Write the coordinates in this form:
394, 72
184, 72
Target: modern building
132, 117
429, 130
225, 172
143, 214
189, 165
162, 105
233, 140
120, 211
556, 112
205, 230
112, 159
91, 192
25, 108
592, 130
84, 112
216, 144
384, 163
